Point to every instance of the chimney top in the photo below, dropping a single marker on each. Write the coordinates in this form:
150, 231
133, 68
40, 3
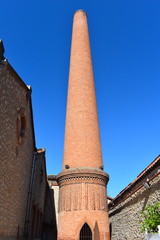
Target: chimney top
80, 10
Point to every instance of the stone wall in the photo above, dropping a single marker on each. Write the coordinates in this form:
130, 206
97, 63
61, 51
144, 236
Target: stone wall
16, 151
124, 213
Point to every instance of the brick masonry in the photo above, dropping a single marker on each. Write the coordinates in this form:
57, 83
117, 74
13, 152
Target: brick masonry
82, 199
16, 158
82, 140
82, 183
23, 167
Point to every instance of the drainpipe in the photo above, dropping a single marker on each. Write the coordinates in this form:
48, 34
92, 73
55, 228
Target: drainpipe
29, 198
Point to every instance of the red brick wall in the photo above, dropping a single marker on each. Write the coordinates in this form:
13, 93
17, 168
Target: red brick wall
82, 141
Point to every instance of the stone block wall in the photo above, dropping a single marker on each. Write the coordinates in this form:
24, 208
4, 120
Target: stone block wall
16, 154
125, 218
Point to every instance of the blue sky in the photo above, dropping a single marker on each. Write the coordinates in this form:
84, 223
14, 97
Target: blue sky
125, 44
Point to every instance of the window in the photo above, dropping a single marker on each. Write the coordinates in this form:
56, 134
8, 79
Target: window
21, 125
85, 233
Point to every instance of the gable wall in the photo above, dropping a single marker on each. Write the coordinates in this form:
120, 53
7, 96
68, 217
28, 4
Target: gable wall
16, 158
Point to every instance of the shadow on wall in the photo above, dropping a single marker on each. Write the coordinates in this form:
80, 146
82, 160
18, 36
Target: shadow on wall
49, 231
110, 229
148, 192
145, 195
96, 232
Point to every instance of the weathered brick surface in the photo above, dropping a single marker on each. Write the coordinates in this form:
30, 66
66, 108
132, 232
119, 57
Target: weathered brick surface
82, 199
82, 193
82, 189
82, 141
125, 218
16, 159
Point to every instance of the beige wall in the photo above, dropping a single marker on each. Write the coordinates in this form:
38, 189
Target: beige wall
16, 159
56, 198
53, 185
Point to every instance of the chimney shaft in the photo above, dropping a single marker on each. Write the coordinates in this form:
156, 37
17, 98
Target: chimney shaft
82, 141
82, 182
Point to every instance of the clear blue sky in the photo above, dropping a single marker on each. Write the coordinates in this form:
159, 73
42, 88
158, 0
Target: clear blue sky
125, 43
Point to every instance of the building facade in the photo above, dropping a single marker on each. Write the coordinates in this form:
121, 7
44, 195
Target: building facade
17, 150
22, 165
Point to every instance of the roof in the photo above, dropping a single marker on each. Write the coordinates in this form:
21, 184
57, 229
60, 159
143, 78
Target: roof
157, 160
109, 198
52, 177
128, 190
5, 63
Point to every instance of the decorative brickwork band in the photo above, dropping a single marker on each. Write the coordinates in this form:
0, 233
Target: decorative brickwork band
81, 189
82, 196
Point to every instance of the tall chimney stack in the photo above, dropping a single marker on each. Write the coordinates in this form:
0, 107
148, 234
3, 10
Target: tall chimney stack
82, 146
82, 199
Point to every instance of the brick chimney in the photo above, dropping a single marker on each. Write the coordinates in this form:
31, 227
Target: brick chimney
82, 199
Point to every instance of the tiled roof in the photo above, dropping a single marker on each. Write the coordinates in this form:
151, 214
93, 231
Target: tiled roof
109, 198
140, 176
52, 177
149, 167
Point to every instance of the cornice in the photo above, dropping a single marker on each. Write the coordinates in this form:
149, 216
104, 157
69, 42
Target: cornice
79, 175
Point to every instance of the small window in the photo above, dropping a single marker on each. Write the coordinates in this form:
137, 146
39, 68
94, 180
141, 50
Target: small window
21, 125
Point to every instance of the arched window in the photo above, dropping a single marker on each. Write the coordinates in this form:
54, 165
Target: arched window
21, 125
85, 233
